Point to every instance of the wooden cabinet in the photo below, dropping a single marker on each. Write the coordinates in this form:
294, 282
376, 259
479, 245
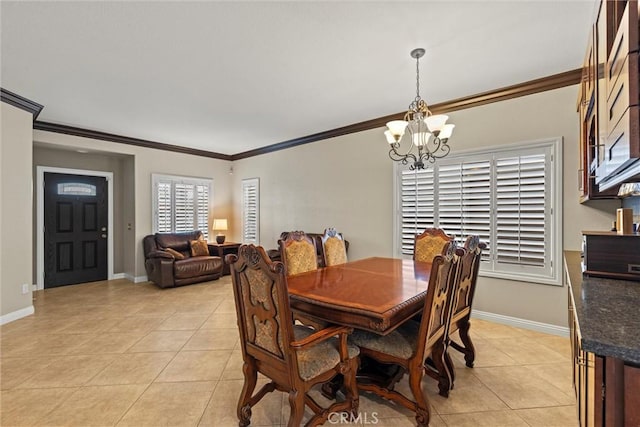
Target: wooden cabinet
587, 376
609, 102
607, 386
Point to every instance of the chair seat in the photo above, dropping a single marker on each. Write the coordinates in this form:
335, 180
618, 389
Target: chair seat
320, 357
400, 343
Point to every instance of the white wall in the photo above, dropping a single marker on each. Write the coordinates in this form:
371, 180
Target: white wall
137, 188
346, 182
15, 212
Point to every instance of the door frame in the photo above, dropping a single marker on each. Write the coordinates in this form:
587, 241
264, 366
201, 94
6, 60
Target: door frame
40, 171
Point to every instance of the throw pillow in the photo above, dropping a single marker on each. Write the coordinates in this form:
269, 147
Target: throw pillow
199, 248
176, 254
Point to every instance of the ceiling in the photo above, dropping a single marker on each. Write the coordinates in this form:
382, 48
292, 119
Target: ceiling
228, 77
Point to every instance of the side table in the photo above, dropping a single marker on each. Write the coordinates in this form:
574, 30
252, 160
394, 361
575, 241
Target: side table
221, 250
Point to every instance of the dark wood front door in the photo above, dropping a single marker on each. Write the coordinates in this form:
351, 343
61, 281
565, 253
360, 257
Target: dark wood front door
75, 229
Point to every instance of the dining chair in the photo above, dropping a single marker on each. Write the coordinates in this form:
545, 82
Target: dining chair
430, 243
333, 248
409, 345
293, 357
298, 253
463, 301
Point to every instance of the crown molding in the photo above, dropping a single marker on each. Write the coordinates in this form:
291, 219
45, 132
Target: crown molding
87, 133
531, 87
555, 81
21, 102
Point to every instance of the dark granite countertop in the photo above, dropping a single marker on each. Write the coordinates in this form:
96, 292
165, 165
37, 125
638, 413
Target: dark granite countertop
608, 312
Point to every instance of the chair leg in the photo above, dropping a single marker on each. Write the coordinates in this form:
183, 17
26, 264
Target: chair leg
439, 357
244, 405
351, 387
296, 403
469, 351
422, 405
450, 367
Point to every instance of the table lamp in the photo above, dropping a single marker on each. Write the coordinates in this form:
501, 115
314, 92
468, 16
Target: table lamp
220, 225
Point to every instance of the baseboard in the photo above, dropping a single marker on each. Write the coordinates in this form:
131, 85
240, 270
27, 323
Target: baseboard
118, 276
521, 323
135, 279
15, 315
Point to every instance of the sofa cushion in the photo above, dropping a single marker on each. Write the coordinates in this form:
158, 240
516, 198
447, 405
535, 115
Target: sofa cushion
199, 248
197, 266
176, 254
177, 241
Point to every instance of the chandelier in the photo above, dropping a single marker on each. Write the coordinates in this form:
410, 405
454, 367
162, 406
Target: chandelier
428, 133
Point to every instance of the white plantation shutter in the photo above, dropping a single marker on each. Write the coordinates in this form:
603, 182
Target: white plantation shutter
181, 204
251, 211
202, 209
464, 200
507, 196
183, 207
163, 204
521, 210
416, 205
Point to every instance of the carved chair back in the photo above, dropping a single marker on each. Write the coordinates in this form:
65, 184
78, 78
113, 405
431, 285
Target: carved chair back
262, 305
437, 308
469, 265
429, 244
333, 247
298, 253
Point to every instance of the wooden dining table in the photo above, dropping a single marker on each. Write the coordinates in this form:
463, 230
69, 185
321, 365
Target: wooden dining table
375, 294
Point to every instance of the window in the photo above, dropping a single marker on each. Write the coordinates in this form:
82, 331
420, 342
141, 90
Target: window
76, 189
509, 196
251, 211
181, 204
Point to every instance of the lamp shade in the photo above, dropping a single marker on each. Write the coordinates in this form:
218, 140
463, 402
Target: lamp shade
397, 127
220, 224
446, 131
436, 122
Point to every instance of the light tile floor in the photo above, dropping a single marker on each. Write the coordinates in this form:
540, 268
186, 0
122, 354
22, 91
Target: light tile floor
117, 353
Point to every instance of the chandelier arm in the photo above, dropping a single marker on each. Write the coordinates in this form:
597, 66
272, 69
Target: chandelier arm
395, 156
440, 147
396, 146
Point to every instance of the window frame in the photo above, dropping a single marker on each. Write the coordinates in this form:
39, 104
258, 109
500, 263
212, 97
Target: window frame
552, 147
156, 179
255, 182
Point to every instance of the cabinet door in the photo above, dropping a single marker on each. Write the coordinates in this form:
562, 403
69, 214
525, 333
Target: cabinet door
631, 398
622, 145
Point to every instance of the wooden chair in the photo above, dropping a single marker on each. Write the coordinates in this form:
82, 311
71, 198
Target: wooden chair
294, 357
333, 248
429, 244
412, 342
298, 253
461, 312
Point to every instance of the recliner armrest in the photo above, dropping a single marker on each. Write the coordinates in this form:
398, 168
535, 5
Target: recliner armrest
160, 254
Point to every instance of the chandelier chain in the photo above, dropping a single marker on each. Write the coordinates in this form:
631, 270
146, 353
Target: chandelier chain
417, 78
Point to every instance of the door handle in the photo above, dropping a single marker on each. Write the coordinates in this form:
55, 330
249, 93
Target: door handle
104, 236
103, 229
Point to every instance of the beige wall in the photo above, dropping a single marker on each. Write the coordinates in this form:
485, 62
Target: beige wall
46, 156
16, 188
346, 182
137, 185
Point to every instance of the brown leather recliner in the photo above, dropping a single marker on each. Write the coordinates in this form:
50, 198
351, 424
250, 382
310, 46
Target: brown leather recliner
166, 271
